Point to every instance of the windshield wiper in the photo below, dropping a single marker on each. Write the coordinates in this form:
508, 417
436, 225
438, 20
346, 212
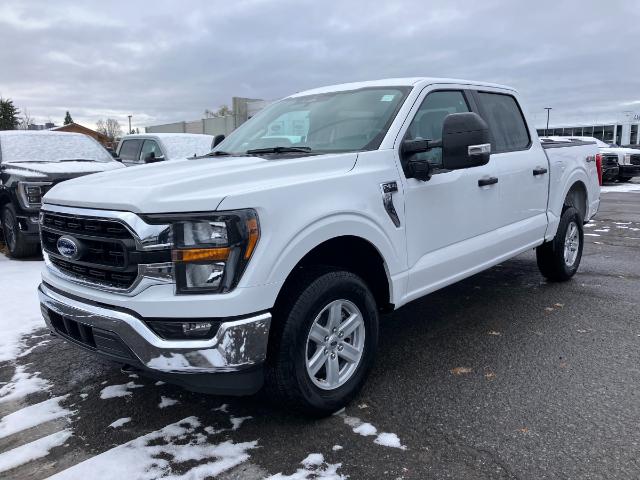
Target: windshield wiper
279, 150
77, 160
216, 153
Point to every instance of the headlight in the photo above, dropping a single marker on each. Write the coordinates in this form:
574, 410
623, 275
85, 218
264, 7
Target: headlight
31, 193
211, 251
627, 159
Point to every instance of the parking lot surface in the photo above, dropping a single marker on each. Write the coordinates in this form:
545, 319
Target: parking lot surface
502, 375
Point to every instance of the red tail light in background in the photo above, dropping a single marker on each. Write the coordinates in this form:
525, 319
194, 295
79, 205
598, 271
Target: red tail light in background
599, 167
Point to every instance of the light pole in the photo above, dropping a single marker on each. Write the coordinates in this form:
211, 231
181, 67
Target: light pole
546, 130
132, 116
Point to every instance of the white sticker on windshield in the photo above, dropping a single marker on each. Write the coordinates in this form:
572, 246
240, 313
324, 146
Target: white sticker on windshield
387, 98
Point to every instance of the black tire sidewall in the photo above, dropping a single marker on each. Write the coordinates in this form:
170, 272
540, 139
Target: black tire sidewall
334, 286
7, 211
568, 216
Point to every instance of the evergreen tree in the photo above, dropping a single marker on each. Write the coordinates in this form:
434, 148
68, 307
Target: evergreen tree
8, 115
67, 118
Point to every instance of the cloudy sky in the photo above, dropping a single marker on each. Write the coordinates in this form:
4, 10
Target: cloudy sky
168, 61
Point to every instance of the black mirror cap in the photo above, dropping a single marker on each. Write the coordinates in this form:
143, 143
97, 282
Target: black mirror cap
459, 131
217, 140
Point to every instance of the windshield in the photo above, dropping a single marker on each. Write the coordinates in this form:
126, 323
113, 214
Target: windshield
343, 121
50, 147
183, 146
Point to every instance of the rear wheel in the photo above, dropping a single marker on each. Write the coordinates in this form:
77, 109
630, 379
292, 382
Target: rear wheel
323, 342
17, 244
559, 259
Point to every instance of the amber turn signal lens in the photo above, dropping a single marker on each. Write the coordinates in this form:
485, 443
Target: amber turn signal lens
200, 254
252, 226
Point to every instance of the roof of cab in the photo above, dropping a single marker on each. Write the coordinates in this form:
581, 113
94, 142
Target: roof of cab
165, 135
25, 133
397, 82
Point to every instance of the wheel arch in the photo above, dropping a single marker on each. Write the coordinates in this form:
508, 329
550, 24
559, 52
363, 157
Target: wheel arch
577, 196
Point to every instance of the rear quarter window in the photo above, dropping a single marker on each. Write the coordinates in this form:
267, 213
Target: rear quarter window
508, 128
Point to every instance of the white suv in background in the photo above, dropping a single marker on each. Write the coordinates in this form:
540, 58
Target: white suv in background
137, 149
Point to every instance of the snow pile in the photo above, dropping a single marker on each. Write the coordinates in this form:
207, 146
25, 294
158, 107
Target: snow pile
32, 416
21, 385
114, 391
19, 306
33, 450
367, 430
120, 422
621, 188
166, 402
153, 455
314, 467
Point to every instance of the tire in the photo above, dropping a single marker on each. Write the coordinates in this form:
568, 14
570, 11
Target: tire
624, 179
293, 350
556, 264
15, 241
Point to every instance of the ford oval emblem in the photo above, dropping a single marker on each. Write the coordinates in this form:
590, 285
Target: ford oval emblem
68, 247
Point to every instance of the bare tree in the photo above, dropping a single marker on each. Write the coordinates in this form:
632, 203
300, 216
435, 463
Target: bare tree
25, 120
110, 128
223, 111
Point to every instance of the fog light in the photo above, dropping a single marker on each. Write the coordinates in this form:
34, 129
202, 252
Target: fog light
176, 330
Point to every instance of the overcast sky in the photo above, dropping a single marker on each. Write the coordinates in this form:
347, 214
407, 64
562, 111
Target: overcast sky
169, 61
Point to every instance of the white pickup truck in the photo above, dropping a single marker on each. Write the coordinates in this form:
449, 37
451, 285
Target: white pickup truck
268, 261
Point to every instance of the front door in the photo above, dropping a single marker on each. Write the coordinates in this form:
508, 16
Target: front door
448, 218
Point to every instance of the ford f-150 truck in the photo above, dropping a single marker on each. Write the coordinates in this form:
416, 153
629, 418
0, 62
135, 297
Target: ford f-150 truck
268, 261
30, 164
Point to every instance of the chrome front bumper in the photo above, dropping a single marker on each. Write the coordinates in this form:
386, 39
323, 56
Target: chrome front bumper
238, 344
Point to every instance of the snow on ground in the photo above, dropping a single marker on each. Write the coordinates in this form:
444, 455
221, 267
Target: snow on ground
166, 402
367, 430
22, 384
19, 306
120, 422
156, 454
114, 391
620, 188
32, 416
33, 450
314, 467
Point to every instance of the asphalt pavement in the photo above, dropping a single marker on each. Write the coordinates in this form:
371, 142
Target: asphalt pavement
502, 375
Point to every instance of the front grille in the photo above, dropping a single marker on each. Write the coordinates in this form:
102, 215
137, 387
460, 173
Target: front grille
117, 279
106, 249
609, 160
635, 159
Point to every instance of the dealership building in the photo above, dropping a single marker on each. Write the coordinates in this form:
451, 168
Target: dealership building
622, 133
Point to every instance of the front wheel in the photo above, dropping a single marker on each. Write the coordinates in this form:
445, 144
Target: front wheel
17, 244
324, 340
559, 259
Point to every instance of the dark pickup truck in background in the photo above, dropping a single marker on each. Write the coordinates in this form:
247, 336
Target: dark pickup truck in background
30, 164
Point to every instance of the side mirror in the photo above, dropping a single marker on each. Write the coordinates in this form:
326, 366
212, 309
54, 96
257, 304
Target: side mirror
151, 158
216, 140
465, 141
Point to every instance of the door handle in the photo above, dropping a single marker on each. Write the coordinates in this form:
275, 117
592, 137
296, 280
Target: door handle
539, 171
483, 182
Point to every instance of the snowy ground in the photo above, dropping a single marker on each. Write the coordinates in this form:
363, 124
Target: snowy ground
507, 377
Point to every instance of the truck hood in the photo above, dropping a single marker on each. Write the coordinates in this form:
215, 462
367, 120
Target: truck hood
193, 185
58, 170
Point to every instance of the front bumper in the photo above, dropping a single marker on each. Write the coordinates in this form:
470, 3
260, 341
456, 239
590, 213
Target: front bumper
238, 346
629, 171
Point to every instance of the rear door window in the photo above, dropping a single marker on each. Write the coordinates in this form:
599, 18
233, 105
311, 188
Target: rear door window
129, 150
508, 128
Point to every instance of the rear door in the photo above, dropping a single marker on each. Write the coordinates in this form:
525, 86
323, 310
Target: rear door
129, 151
522, 168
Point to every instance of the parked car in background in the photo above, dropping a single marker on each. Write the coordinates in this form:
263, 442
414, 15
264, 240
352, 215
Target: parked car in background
270, 263
30, 164
158, 147
628, 158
